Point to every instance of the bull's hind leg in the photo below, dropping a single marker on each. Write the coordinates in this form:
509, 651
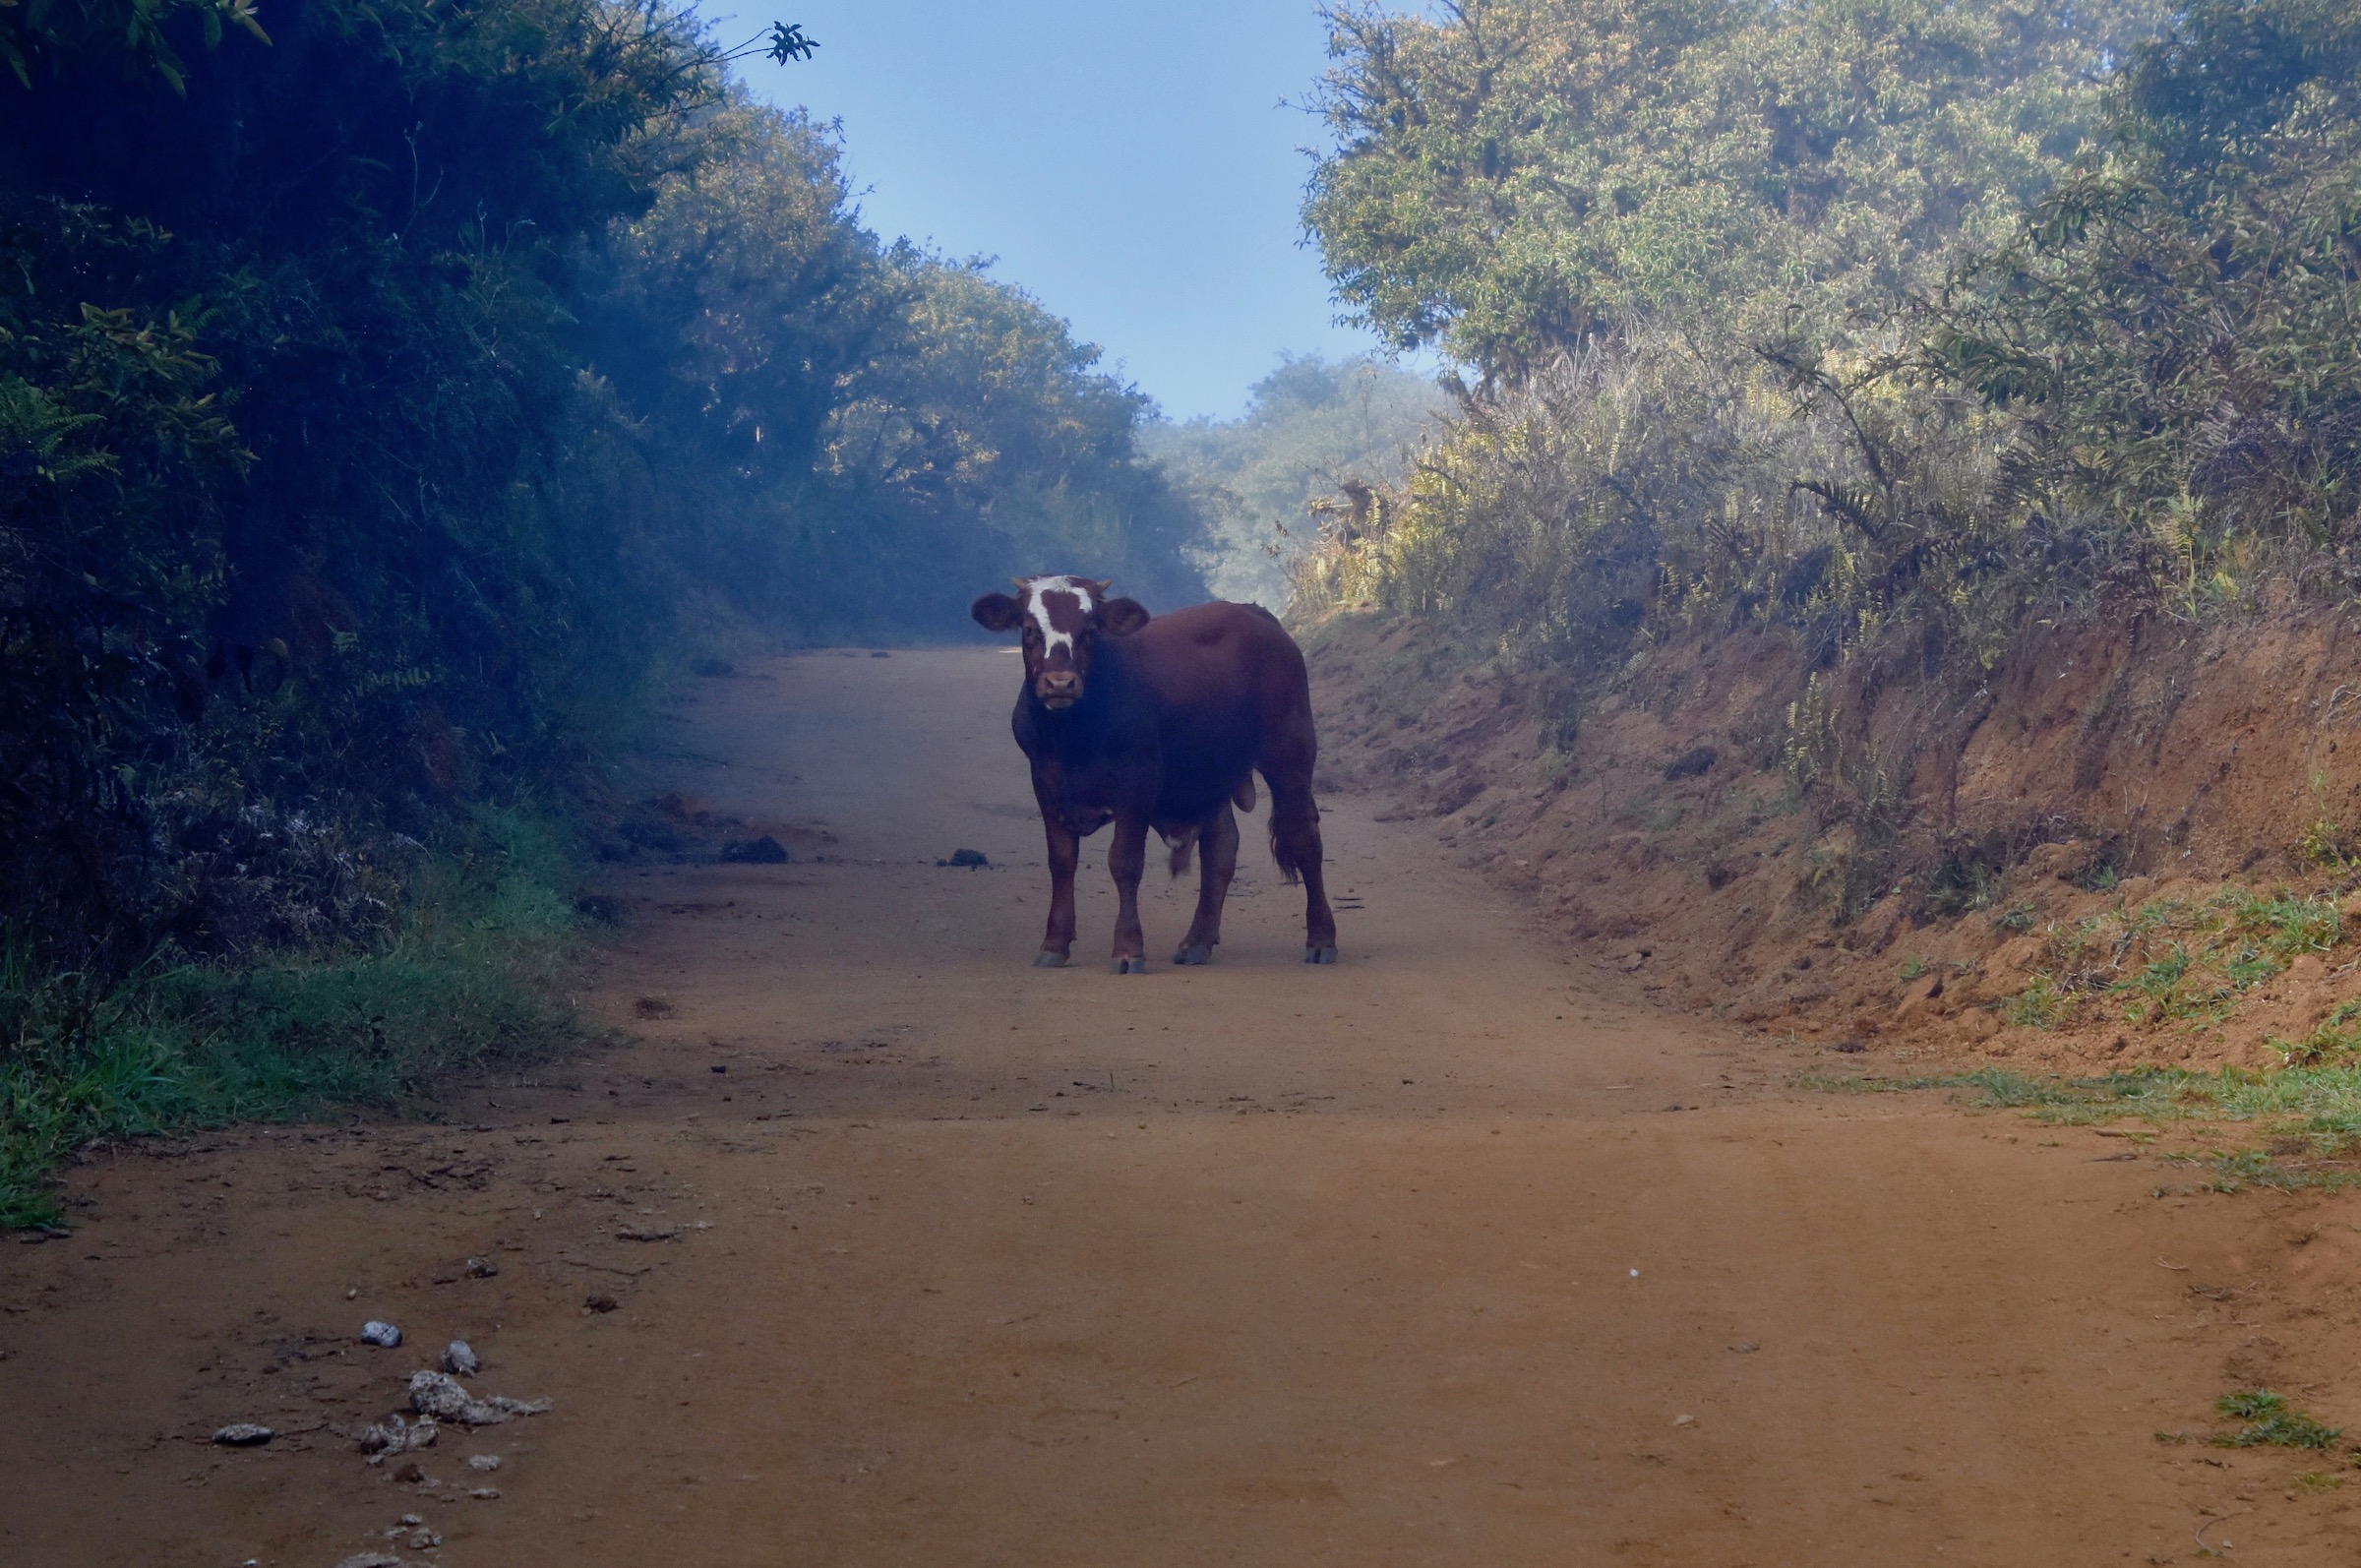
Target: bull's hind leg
1217, 842
1296, 845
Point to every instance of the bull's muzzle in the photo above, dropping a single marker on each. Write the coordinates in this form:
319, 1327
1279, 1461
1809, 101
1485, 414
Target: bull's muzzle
1058, 688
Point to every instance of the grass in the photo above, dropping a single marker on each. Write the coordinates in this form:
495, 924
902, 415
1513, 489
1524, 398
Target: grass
2310, 1115
2271, 1424
2174, 959
2327, 844
2338, 1039
2326, 1100
467, 978
2040, 1006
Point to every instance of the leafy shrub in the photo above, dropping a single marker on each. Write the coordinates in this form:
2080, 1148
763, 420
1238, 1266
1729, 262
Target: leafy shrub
385, 407
466, 974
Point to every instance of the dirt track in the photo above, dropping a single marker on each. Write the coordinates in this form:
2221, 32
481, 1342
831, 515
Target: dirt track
1440, 1256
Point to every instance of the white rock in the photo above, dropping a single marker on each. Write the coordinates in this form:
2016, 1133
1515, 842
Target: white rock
384, 1335
458, 1358
483, 1462
244, 1434
438, 1395
397, 1436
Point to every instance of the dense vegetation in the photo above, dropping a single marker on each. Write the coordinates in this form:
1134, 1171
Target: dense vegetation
391, 394
1316, 436
382, 402
1897, 325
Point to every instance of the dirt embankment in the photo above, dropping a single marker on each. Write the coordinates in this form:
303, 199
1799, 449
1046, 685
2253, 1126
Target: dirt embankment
2126, 842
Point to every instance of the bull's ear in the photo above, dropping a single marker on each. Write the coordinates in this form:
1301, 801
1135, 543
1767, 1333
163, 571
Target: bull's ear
996, 612
1123, 616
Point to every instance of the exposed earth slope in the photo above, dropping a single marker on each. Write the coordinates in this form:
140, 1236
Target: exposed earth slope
2008, 865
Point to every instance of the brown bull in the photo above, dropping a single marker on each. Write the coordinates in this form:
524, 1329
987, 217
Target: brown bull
1162, 722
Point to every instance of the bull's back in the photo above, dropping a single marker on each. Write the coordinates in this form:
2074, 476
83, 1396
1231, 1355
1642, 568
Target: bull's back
1228, 680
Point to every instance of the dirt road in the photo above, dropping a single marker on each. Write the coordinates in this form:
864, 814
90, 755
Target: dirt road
919, 1256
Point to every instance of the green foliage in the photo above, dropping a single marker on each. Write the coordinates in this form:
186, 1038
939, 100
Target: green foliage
1512, 177
52, 36
989, 408
465, 975
2270, 1423
2154, 327
2319, 1106
1317, 439
2040, 1005
2326, 844
387, 402
1673, 242
384, 407
1894, 327
2174, 959
2334, 1041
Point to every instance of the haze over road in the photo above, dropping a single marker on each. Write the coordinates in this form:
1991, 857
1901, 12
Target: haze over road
1438, 1256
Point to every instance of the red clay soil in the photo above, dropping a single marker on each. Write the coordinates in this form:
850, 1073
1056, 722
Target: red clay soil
2095, 768
876, 1245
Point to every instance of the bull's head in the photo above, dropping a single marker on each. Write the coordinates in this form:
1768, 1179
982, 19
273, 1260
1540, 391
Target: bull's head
1063, 618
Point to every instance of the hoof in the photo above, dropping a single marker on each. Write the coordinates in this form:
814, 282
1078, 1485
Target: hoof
1319, 955
1200, 954
1046, 960
1130, 966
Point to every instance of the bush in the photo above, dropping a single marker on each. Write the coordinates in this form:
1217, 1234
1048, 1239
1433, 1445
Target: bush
462, 977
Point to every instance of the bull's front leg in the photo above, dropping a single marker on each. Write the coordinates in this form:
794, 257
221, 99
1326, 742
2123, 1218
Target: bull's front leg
1126, 858
1065, 850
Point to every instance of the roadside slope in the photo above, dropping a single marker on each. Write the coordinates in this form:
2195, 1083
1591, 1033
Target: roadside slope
1970, 866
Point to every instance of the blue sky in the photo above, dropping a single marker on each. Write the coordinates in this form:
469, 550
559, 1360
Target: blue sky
1127, 161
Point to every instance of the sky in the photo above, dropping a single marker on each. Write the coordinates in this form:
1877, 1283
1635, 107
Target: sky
1127, 161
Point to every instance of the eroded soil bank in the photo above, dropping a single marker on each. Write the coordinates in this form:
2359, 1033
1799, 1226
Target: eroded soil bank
2009, 865
876, 1245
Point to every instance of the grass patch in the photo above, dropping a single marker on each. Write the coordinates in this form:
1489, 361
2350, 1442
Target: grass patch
2338, 1039
2322, 1101
2271, 1424
2310, 1115
2176, 959
2327, 844
466, 976
2040, 1005
2236, 1170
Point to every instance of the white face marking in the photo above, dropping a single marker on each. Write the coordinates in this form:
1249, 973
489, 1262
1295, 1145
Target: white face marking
1051, 639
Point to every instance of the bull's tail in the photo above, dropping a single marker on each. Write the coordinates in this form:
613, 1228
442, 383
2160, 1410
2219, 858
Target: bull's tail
1290, 870
1295, 832
1181, 848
